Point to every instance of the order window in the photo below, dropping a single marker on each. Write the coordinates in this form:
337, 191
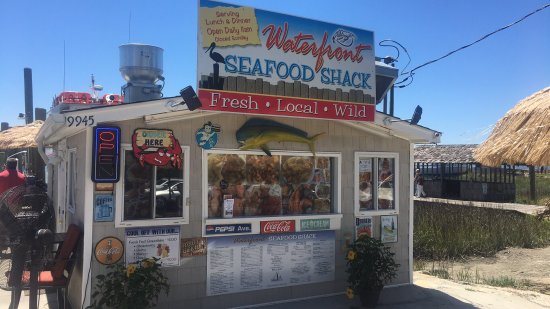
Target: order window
248, 184
152, 195
376, 182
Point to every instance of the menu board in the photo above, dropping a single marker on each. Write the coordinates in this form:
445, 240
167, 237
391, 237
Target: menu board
254, 262
159, 242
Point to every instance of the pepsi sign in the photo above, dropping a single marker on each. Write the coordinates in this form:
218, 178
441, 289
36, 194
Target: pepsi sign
228, 229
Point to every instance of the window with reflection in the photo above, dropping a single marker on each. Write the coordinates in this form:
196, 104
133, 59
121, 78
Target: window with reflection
152, 192
243, 185
375, 181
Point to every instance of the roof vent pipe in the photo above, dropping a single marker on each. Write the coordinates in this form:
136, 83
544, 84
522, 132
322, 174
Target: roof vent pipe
141, 67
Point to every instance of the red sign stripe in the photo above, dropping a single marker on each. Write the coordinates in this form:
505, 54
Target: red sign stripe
262, 104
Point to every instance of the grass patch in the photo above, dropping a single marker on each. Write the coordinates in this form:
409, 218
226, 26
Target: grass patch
444, 270
502, 281
443, 231
439, 273
419, 264
542, 189
464, 275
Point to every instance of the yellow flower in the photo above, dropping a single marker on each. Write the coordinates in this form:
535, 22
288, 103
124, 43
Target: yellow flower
131, 269
351, 255
148, 263
349, 293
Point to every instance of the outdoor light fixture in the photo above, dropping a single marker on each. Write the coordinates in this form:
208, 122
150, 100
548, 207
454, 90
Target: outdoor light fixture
416, 115
414, 120
190, 98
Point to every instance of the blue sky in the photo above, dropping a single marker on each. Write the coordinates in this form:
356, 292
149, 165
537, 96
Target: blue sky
462, 95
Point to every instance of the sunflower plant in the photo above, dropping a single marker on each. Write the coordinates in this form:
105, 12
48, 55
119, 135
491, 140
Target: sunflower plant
370, 265
136, 286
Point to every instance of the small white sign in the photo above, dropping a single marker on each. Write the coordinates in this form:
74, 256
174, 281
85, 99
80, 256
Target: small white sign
228, 207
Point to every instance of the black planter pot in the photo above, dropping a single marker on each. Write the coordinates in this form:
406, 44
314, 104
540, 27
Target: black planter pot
369, 298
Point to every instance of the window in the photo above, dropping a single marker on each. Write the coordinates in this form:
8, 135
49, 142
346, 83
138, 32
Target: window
249, 184
152, 195
376, 185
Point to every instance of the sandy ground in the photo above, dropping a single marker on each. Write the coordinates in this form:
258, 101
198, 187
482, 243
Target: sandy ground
520, 264
480, 296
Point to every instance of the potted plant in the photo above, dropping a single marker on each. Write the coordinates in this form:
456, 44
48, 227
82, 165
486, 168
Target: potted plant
136, 286
370, 265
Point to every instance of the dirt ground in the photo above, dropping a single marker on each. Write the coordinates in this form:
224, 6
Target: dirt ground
520, 264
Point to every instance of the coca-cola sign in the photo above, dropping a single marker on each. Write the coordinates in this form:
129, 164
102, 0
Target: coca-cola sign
109, 250
276, 227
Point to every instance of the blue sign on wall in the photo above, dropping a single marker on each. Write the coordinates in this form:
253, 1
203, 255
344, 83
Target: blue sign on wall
106, 154
104, 206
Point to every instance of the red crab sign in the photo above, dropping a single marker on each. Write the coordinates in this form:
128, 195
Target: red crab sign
156, 147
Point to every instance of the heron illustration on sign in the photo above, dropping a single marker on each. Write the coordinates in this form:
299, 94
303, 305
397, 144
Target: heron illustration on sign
218, 58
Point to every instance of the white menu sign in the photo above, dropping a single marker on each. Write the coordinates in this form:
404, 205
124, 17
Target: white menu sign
254, 262
159, 242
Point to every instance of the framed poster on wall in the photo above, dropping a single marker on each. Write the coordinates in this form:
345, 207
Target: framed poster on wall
388, 229
363, 226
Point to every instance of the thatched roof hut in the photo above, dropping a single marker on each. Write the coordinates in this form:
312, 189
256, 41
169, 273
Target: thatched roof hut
522, 136
20, 137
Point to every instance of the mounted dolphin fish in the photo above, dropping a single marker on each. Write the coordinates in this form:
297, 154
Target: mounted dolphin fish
257, 132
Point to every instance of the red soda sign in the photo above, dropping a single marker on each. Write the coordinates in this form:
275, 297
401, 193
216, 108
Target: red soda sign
279, 226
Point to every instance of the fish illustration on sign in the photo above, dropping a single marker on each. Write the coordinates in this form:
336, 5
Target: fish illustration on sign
258, 132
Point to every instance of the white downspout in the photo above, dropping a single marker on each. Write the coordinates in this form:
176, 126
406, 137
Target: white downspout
411, 212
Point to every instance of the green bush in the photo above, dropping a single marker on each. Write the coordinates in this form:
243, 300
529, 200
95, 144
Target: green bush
370, 265
134, 287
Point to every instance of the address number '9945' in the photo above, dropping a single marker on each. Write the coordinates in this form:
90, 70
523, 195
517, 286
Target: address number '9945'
80, 121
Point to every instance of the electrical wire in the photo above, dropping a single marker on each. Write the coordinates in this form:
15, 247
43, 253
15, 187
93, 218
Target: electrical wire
411, 72
87, 281
383, 44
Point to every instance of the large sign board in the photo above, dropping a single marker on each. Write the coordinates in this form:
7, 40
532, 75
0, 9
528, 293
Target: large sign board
253, 262
260, 62
105, 154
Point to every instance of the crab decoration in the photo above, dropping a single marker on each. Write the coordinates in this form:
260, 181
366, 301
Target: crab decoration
156, 147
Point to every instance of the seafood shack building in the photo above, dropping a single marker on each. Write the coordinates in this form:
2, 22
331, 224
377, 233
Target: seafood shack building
259, 189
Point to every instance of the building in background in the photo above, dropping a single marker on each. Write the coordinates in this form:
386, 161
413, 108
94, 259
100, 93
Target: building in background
450, 171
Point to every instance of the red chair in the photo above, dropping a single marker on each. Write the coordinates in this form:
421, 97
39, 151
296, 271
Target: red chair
57, 273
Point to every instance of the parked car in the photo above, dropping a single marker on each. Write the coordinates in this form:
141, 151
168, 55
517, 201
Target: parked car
169, 198
164, 183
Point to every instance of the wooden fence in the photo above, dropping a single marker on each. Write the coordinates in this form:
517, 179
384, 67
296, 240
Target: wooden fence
289, 89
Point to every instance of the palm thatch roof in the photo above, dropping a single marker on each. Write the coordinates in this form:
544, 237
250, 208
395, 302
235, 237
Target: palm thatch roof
21, 136
445, 153
521, 136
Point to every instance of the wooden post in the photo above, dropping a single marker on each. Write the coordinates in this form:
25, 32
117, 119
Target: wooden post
532, 193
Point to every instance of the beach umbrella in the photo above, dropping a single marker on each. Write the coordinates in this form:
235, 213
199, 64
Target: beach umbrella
522, 136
